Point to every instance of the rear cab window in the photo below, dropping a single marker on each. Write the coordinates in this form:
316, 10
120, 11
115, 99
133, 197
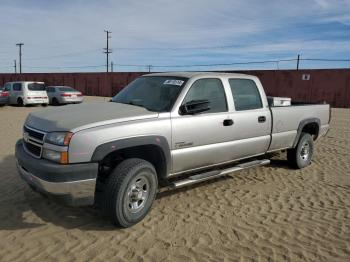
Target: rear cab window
246, 95
210, 89
36, 87
66, 89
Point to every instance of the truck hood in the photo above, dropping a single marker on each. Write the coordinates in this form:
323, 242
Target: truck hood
77, 117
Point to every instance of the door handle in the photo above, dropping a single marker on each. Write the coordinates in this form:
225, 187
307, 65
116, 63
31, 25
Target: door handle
261, 119
228, 122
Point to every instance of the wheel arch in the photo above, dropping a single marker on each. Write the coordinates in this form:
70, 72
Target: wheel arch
309, 125
154, 149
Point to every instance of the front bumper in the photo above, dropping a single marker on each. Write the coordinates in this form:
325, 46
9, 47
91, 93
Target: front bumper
73, 184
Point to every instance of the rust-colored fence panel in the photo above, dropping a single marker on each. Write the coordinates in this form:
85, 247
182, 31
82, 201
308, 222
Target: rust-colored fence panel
330, 85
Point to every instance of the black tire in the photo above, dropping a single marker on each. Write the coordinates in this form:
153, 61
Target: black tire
123, 191
301, 156
20, 102
55, 102
44, 105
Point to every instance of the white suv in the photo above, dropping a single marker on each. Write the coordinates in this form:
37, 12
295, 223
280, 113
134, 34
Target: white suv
27, 93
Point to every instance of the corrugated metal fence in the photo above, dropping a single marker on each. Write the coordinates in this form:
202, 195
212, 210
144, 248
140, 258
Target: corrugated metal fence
330, 85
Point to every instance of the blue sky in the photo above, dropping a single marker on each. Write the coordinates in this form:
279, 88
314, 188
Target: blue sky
68, 36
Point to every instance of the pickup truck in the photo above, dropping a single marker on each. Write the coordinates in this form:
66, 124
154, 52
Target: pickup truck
164, 130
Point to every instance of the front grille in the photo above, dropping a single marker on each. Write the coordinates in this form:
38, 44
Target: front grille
33, 141
34, 134
33, 149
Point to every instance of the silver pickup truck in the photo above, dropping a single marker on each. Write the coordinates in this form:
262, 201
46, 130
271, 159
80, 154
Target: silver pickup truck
162, 130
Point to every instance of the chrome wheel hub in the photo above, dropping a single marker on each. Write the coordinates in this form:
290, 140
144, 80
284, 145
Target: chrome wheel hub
305, 151
137, 193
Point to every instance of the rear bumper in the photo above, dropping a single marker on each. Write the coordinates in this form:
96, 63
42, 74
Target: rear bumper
36, 101
74, 184
71, 100
3, 100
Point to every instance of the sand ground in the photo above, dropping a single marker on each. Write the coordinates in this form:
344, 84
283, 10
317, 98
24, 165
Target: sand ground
270, 213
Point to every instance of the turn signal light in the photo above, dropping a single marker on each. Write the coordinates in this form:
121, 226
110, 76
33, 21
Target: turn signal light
64, 158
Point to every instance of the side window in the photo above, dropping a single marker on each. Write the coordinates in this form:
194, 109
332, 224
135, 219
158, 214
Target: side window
17, 87
210, 89
245, 94
7, 87
50, 89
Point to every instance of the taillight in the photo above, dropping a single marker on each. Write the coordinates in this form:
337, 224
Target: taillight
4, 94
65, 95
80, 94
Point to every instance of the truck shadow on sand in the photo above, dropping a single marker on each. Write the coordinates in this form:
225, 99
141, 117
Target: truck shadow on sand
22, 208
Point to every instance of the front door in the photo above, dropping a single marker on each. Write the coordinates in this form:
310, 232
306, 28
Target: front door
202, 139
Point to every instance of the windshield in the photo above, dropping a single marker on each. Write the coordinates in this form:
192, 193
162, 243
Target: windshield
155, 93
66, 89
36, 87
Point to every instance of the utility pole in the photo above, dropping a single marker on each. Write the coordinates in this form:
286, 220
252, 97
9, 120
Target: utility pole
107, 50
149, 68
112, 66
20, 56
298, 61
15, 66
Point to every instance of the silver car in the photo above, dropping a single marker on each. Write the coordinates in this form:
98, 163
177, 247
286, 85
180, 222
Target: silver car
4, 96
59, 95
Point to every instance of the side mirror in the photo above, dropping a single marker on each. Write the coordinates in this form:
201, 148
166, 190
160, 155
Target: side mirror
194, 107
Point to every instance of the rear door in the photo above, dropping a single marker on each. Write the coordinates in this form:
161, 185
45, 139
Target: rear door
16, 91
251, 117
201, 140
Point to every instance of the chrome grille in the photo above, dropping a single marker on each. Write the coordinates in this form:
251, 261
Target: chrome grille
33, 141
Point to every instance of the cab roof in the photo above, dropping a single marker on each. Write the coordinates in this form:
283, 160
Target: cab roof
197, 74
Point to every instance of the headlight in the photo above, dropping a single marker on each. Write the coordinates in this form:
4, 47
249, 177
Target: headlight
59, 157
59, 138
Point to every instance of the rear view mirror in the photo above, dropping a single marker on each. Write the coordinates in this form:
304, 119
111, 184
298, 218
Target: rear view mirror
194, 107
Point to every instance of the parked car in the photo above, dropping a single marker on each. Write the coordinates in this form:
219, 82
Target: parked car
4, 96
63, 95
169, 129
26, 93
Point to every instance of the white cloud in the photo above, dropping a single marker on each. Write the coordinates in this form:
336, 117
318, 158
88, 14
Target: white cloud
65, 27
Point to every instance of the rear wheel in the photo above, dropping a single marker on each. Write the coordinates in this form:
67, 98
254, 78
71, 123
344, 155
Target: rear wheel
300, 156
129, 192
20, 102
55, 101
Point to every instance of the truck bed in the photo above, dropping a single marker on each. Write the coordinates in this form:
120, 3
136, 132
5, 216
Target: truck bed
286, 121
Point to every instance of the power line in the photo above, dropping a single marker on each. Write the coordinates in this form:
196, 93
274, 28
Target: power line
107, 50
176, 48
65, 67
149, 66
207, 65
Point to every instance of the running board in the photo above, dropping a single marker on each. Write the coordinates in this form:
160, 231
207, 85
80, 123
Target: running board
217, 173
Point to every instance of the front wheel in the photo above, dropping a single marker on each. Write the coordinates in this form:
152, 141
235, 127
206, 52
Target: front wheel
300, 156
129, 192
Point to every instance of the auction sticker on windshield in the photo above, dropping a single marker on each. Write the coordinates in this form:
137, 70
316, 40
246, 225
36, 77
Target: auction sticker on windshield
173, 82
